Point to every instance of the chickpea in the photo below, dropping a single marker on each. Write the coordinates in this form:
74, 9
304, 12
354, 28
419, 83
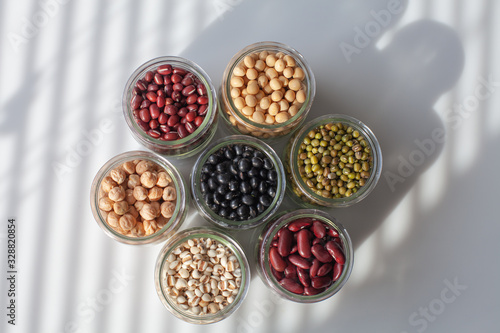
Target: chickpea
144, 166
169, 193
156, 207
127, 222
155, 193
132, 210
163, 179
161, 221
106, 204
140, 193
167, 209
260, 65
118, 175
138, 230
129, 167
139, 204
133, 181
148, 212
129, 196
149, 179
120, 207
113, 219
117, 193
150, 227
107, 184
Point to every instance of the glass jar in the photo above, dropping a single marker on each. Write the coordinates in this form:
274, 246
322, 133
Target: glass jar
140, 234
201, 203
269, 234
181, 147
164, 286
235, 118
308, 196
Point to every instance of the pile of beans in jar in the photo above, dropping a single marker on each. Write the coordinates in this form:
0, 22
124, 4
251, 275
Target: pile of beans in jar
306, 256
238, 182
335, 160
203, 276
137, 198
169, 103
268, 87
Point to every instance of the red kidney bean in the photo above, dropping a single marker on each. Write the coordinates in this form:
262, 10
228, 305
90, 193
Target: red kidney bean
164, 69
303, 276
278, 263
171, 136
285, 243
318, 228
299, 224
303, 243
154, 110
274, 243
182, 131
152, 96
145, 115
294, 249
292, 286
290, 271
325, 269
310, 291
337, 271
321, 282
321, 253
316, 264
298, 261
173, 120
198, 121
335, 251
149, 76
317, 241
278, 275
135, 102
332, 232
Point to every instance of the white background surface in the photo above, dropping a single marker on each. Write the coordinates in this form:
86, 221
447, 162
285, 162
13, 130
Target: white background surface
420, 73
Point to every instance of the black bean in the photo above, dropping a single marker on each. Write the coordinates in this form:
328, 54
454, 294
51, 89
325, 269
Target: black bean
247, 154
238, 149
272, 175
222, 189
223, 178
244, 165
231, 195
253, 212
224, 212
263, 173
265, 200
221, 167
247, 199
235, 203
233, 216
254, 182
243, 211
214, 207
260, 208
242, 175
268, 164
208, 198
271, 191
234, 169
225, 203
218, 198
213, 159
207, 168
245, 187
229, 153
255, 193
257, 162
259, 154
212, 184
262, 187
233, 185
203, 187
254, 172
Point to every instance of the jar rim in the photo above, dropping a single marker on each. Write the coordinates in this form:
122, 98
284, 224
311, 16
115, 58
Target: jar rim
207, 213
175, 62
264, 244
223, 238
180, 207
261, 46
376, 153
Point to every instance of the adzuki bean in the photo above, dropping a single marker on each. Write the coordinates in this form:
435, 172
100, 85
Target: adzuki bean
306, 256
162, 100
